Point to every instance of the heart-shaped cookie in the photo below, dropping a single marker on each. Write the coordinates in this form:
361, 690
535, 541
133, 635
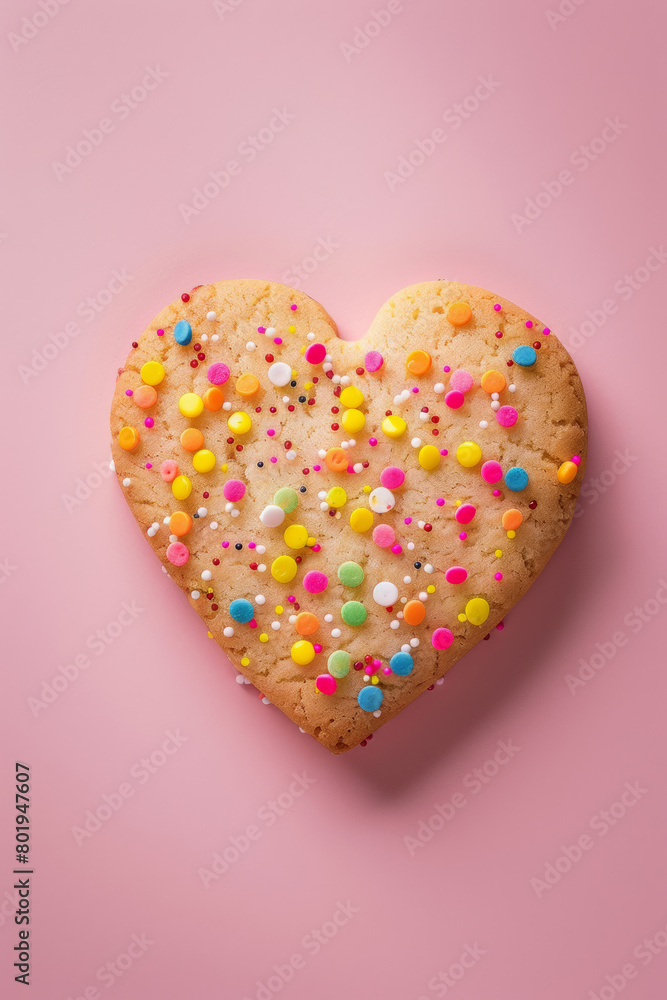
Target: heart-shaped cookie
349, 519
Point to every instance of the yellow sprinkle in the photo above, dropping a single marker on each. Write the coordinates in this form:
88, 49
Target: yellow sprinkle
224, 467
310, 542
511, 534
462, 618
210, 635
309, 385
209, 590
336, 497
291, 329
279, 609
367, 489
430, 589
303, 349
375, 680
245, 661
294, 373
263, 637
499, 552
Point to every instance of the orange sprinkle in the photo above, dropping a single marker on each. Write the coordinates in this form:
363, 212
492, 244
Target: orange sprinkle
493, 381
213, 398
414, 612
128, 438
180, 523
459, 313
512, 519
247, 385
336, 460
145, 396
192, 439
306, 623
418, 362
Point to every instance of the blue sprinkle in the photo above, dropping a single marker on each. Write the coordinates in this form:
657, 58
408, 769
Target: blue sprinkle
516, 479
524, 355
183, 332
241, 610
370, 698
401, 664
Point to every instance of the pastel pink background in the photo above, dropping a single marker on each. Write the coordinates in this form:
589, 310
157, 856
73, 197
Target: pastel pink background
67, 572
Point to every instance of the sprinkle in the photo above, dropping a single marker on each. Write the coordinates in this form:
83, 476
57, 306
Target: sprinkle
516, 479
524, 355
507, 416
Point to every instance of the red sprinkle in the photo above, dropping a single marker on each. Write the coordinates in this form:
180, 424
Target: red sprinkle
185, 297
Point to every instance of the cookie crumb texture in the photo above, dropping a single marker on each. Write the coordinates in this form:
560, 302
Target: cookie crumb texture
349, 518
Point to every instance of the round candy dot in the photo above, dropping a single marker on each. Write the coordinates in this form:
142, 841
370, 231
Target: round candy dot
302, 652
295, 536
353, 421
401, 664
315, 582
283, 569
461, 380
512, 519
169, 470
418, 362
491, 472
381, 500
336, 497
394, 426
477, 610
241, 610
459, 313
465, 513
456, 574
392, 477
213, 399
272, 516
239, 423
454, 399
516, 479
326, 684
351, 396
350, 574
203, 460
373, 361
217, 373
566, 472
507, 416
152, 373
385, 593
525, 355
353, 613
315, 354
468, 454
180, 523
233, 490
177, 553
384, 536
493, 381
145, 396
286, 498
181, 487
429, 457
280, 373
306, 623
336, 459
246, 385
361, 519
414, 613
128, 438
442, 638
339, 663
370, 698
192, 439
191, 404
182, 332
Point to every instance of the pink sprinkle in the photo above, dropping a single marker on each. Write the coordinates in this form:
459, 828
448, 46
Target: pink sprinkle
456, 574
386, 670
440, 502
465, 513
499, 333
293, 307
277, 340
498, 576
148, 422
326, 684
128, 392
252, 545
234, 490
317, 547
316, 468
169, 470
454, 399
497, 493
576, 459
392, 477
491, 472
315, 582
497, 307
446, 368
500, 626
442, 638
177, 553
372, 442
546, 331
261, 329
315, 354
270, 432
291, 598
225, 545
443, 452
529, 323
373, 361
368, 670
415, 388
274, 459
160, 333
407, 520
149, 465
461, 380
507, 416
317, 647
463, 536
384, 535
397, 549
252, 624
217, 373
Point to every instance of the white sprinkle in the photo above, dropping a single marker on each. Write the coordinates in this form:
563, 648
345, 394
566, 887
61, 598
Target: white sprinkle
423, 596
126, 482
261, 568
365, 678
324, 505
328, 618
202, 511
404, 600
204, 338
416, 442
420, 524
440, 680
250, 346
240, 679
246, 680
265, 701
344, 445
310, 336
213, 525
235, 512
495, 395
397, 400
407, 579
345, 380
172, 538
285, 399
164, 569
151, 532
405, 648
292, 619
411, 545
336, 379
260, 550
321, 454
229, 631
275, 626
352, 442
483, 424
290, 455
414, 643
260, 599
423, 416
335, 632
439, 387
495, 405
358, 467
166, 520
428, 568
194, 594
206, 574
327, 366
327, 357
399, 614
229, 507
512, 388
377, 714
337, 518
215, 338
211, 315
394, 624
270, 331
